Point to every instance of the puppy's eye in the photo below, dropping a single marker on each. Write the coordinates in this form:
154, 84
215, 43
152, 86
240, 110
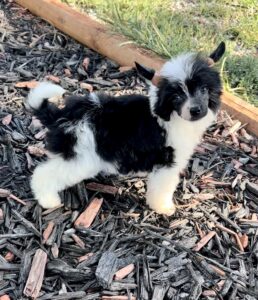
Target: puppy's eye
177, 97
204, 89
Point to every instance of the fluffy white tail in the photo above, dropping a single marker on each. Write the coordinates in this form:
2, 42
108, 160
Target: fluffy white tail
44, 90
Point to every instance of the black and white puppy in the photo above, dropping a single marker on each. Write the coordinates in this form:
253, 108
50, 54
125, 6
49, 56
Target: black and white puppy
154, 135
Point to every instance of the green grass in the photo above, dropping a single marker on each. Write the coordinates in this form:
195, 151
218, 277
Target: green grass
169, 27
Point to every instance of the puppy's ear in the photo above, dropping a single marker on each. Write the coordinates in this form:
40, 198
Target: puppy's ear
164, 105
218, 52
147, 73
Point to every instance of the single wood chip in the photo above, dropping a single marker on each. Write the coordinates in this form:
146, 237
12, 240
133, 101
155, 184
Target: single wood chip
7, 119
11, 196
216, 132
200, 232
9, 256
122, 273
4, 193
218, 270
235, 127
85, 257
178, 223
234, 139
214, 182
86, 218
1, 215
244, 240
209, 293
7, 194
36, 151
5, 297
27, 84
204, 241
78, 241
245, 147
248, 221
53, 78
47, 232
67, 72
50, 210
86, 86
122, 297
86, 63
106, 269
98, 187
36, 275
252, 187
204, 197
254, 150
41, 134
55, 250
245, 134
233, 233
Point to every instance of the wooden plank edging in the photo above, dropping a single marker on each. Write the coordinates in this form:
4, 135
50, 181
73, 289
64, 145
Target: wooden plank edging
99, 37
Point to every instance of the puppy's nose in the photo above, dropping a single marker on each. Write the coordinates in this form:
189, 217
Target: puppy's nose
195, 110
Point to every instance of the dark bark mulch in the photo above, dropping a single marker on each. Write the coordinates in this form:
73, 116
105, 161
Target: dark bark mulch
217, 198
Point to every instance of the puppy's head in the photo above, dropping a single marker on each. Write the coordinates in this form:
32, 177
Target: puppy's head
187, 85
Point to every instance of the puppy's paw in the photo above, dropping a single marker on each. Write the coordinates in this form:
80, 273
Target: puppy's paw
49, 201
161, 203
165, 209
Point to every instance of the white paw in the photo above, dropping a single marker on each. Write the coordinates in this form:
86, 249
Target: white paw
49, 201
161, 203
164, 208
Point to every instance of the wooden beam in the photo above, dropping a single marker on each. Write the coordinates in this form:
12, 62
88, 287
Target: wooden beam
241, 110
100, 38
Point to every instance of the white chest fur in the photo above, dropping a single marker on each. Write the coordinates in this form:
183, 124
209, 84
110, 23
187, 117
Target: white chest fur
184, 136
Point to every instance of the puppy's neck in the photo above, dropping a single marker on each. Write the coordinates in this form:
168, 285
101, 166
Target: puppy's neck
184, 135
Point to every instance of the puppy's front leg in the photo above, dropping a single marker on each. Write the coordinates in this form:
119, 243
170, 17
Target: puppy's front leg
160, 189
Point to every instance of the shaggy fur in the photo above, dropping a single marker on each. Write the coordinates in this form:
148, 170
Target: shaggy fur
127, 134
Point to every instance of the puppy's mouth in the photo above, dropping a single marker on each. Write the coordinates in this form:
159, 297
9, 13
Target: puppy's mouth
197, 118
190, 118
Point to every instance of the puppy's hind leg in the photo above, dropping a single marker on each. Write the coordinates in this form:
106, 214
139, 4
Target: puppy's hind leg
55, 175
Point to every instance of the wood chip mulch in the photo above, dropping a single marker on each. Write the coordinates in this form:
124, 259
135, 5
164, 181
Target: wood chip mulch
103, 242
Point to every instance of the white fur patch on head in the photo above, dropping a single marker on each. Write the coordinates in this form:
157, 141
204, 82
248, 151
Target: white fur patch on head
44, 90
179, 68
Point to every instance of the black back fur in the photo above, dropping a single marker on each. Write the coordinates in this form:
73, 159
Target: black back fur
126, 133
